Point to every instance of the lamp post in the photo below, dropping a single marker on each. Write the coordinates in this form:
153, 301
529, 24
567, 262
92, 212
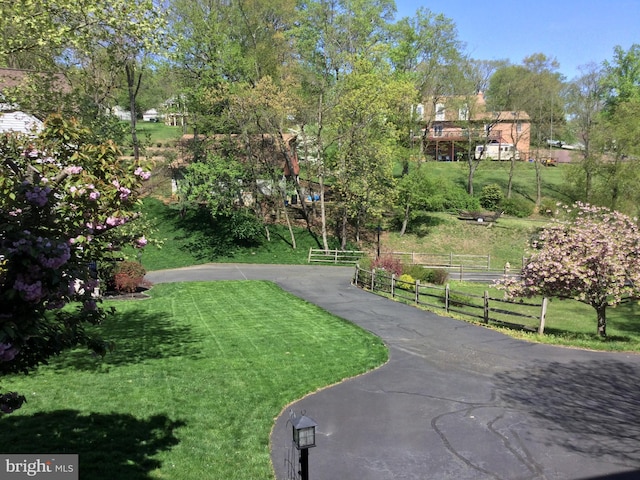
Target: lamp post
304, 437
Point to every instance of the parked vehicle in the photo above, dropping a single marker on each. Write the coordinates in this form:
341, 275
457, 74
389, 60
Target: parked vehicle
497, 151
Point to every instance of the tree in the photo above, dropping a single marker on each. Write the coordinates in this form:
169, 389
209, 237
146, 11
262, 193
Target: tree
534, 88
415, 191
363, 164
585, 102
62, 201
592, 255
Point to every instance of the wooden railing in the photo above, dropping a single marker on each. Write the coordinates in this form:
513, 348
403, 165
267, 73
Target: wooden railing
528, 316
449, 260
349, 257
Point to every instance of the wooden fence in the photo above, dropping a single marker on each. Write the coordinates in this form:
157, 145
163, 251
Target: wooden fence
449, 260
318, 255
528, 316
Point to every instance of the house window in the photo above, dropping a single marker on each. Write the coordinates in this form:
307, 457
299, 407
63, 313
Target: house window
437, 130
440, 112
519, 127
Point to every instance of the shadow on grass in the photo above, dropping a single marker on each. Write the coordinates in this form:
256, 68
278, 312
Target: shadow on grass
138, 336
590, 407
421, 224
110, 446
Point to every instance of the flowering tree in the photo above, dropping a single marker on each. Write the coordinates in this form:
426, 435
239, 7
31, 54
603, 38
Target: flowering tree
61, 200
591, 254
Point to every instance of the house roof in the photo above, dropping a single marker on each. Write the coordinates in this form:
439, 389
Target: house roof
13, 77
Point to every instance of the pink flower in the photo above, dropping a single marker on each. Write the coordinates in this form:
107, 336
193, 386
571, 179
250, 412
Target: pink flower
141, 242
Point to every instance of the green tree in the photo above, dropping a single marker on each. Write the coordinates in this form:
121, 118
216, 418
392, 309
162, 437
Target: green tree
363, 162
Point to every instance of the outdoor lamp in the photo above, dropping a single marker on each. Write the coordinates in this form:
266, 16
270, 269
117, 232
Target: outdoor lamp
304, 432
304, 437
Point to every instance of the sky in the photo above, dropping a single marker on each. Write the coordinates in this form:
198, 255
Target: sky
575, 32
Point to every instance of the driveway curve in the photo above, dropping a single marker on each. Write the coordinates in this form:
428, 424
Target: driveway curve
455, 401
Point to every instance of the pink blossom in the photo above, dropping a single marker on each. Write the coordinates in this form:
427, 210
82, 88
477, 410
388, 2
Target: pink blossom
141, 242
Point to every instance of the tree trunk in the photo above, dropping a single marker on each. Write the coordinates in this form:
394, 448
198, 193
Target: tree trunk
512, 169
602, 319
133, 87
343, 230
405, 220
286, 216
323, 214
538, 185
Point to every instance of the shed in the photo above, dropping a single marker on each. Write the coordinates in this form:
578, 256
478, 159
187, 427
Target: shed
17, 121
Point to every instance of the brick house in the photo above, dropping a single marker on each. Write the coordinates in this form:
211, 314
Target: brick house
455, 126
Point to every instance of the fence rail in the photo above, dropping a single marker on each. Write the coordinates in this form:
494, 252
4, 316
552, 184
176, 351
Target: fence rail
449, 260
531, 316
318, 255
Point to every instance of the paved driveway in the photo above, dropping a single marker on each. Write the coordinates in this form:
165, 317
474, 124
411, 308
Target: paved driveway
455, 401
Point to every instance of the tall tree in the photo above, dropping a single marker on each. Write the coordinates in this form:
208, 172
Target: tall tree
585, 102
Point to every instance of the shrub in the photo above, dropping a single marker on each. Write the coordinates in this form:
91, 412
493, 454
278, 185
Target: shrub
418, 272
406, 282
365, 263
439, 276
518, 207
389, 264
128, 276
548, 207
491, 196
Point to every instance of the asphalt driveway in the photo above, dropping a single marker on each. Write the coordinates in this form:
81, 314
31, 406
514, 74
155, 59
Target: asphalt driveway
455, 401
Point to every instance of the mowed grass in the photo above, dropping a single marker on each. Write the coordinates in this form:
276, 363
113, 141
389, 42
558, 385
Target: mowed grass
199, 374
571, 323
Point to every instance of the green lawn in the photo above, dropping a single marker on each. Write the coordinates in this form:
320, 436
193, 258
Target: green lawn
572, 323
191, 392
152, 132
193, 240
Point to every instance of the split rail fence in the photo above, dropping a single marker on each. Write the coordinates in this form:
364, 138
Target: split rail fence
527, 316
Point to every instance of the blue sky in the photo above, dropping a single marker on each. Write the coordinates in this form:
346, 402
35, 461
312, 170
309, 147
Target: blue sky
575, 32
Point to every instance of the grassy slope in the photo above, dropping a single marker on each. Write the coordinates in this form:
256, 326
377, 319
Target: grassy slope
192, 240
192, 389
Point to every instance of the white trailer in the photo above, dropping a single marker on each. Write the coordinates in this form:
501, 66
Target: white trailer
497, 151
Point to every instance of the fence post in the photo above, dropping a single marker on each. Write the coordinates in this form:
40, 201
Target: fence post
335, 258
543, 315
418, 292
446, 298
373, 280
451, 259
309, 259
488, 262
461, 273
486, 306
393, 284
357, 271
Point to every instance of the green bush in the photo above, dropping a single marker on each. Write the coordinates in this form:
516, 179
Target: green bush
548, 207
418, 272
439, 276
491, 196
406, 282
518, 207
